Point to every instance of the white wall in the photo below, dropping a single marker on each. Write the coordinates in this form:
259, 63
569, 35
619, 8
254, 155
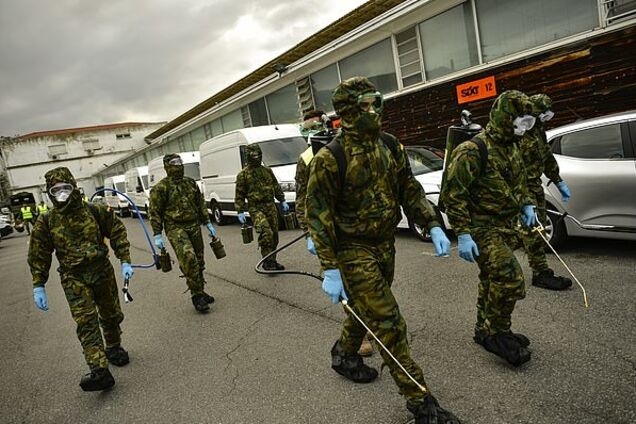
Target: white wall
27, 160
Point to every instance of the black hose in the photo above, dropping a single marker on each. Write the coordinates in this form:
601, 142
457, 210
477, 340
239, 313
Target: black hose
258, 266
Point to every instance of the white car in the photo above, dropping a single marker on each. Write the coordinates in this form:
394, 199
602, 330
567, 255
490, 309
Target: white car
597, 160
427, 164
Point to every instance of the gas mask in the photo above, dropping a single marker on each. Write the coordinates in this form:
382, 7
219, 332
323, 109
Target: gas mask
369, 120
546, 116
61, 191
254, 155
524, 123
173, 164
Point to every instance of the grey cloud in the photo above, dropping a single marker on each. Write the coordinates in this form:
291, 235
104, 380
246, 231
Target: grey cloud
72, 63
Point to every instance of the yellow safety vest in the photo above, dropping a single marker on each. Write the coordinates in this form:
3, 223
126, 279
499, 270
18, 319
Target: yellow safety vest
26, 212
307, 155
42, 208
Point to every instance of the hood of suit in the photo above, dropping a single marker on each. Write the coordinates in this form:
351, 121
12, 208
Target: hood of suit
63, 175
354, 122
254, 155
507, 107
174, 172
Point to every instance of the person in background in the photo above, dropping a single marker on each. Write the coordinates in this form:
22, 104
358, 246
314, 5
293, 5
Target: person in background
178, 207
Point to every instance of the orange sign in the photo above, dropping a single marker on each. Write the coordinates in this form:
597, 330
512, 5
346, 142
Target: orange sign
476, 90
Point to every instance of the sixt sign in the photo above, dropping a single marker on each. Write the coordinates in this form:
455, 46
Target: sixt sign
476, 90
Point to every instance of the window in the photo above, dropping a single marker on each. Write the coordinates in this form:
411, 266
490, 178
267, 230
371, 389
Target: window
507, 26
409, 57
283, 106
92, 144
198, 137
376, 63
232, 121
594, 143
323, 83
618, 10
122, 136
57, 149
191, 170
423, 160
258, 112
458, 50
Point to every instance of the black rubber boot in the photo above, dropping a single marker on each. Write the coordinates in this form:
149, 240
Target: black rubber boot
278, 267
269, 265
96, 380
351, 365
117, 356
200, 304
506, 346
429, 412
547, 280
208, 298
481, 335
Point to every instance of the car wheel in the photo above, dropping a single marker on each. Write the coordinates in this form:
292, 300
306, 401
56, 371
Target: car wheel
555, 229
217, 214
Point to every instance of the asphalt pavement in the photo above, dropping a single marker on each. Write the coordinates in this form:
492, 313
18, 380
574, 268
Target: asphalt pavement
262, 354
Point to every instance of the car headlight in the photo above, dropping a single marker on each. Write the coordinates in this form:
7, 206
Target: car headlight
288, 186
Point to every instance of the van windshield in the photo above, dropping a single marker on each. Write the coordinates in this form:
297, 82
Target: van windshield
121, 187
282, 151
192, 170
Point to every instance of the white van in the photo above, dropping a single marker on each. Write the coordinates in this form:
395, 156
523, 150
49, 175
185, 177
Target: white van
222, 158
137, 188
190, 169
115, 201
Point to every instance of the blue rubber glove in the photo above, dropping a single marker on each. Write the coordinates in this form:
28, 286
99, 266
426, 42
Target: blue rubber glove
468, 250
528, 216
440, 241
159, 241
332, 285
39, 296
310, 246
126, 271
241, 217
211, 229
285, 207
565, 191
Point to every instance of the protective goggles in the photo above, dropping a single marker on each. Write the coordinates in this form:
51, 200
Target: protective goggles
175, 161
60, 187
374, 100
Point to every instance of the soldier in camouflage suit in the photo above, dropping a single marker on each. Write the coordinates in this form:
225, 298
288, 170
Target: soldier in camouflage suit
484, 208
258, 184
177, 206
539, 160
314, 127
353, 224
75, 231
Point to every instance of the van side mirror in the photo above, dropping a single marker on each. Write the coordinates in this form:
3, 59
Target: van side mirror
139, 189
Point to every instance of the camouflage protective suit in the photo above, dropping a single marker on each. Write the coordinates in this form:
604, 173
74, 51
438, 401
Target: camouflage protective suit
178, 207
353, 227
487, 204
258, 185
76, 235
302, 178
538, 159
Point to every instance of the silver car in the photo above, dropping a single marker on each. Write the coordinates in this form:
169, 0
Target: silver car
596, 160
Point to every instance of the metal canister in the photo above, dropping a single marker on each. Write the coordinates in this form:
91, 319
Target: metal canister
290, 221
164, 260
217, 247
247, 233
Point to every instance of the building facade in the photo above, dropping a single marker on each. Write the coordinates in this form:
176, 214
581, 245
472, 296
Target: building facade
83, 150
431, 59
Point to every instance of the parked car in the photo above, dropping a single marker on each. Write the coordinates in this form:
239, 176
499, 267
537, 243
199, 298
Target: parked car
5, 225
596, 159
427, 164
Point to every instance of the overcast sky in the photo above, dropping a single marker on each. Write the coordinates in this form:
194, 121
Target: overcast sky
73, 63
